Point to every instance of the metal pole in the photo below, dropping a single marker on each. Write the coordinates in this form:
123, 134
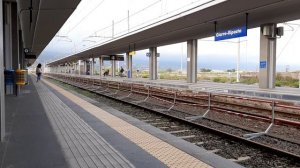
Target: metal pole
93, 65
113, 68
101, 68
181, 65
113, 27
153, 63
192, 61
238, 62
209, 101
118, 66
2, 98
79, 67
129, 65
273, 111
128, 20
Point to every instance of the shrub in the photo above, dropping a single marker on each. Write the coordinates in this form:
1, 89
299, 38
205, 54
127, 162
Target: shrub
205, 70
220, 80
249, 80
286, 81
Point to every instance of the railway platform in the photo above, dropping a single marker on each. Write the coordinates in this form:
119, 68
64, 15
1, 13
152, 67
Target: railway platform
51, 127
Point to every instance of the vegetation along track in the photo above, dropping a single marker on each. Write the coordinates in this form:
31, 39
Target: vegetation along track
222, 139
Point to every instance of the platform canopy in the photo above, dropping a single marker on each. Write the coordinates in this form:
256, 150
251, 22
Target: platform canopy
40, 20
197, 23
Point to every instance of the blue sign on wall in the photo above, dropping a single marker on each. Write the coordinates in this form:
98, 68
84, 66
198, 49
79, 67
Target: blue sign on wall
232, 33
263, 64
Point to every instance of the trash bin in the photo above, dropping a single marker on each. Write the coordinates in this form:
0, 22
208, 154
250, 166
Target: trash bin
128, 74
21, 77
9, 76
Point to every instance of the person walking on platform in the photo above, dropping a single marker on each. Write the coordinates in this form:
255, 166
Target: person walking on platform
106, 72
38, 72
121, 72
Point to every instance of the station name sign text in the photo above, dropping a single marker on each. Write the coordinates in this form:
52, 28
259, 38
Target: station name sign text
232, 33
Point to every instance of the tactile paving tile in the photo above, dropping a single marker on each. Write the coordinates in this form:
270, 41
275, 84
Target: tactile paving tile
166, 153
82, 146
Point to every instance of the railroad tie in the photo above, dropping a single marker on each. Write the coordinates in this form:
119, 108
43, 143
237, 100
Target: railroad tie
178, 131
198, 143
187, 137
240, 159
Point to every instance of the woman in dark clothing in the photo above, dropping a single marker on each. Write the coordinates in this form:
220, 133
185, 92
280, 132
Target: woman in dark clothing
38, 72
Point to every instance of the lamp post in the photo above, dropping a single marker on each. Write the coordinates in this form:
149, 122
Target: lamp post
238, 62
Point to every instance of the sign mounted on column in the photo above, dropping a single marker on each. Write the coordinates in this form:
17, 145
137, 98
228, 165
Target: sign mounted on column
263, 64
231, 33
149, 54
132, 53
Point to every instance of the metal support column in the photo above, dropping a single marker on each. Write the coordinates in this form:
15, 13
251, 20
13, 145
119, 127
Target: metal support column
76, 68
153, 63
69, 68
92, 66
113, 68
79, 67
267, 69
84, 67
21, 52
73, 68
7, 36
129, 65
192, 61
101, 66
14, 36
2, 98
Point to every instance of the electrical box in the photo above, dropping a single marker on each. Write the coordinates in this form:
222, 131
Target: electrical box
280, 31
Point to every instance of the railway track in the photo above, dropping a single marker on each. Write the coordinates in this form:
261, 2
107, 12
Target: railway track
184, 127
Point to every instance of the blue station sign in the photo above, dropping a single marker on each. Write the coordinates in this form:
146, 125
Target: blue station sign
232, 33
263, 64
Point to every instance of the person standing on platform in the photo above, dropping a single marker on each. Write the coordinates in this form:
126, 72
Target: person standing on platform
38, 72
121, 72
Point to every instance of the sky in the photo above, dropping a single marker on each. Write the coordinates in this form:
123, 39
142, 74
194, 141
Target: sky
91, 24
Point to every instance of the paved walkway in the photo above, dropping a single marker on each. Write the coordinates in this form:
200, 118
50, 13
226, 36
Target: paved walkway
82, 146
30, 140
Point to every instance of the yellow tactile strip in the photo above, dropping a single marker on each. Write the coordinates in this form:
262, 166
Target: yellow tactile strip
166, 153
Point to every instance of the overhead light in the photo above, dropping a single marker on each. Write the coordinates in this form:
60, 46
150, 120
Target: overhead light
26, 50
